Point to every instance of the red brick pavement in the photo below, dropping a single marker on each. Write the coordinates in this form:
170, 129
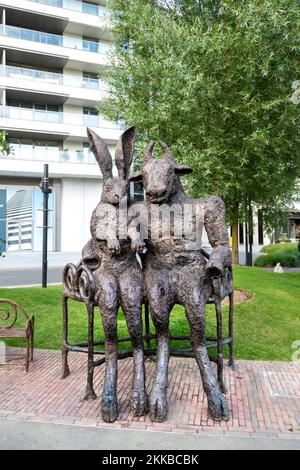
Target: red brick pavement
264, 397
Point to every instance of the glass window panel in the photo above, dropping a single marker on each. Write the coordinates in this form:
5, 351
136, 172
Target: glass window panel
52, 107
40, 106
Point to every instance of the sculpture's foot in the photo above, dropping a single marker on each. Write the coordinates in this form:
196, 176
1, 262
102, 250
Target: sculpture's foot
217, 406
139, 402
158, 406
89, 395
109, 408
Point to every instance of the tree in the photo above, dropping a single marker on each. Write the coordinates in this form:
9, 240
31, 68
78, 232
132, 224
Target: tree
214, 80
5, 148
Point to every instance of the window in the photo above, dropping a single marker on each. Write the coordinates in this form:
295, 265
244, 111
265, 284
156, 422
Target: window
90, 80
27, 149
89, 44
90, 8
90, 117
88, 155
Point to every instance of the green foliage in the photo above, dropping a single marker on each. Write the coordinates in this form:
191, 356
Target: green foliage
284, 253
214, 80
265, 326
5, 148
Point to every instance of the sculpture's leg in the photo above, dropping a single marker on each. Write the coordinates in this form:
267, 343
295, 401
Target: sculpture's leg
231, 362
220, 346
194, 303
109, 304
90, 393
131, 283
65, 366
160, 302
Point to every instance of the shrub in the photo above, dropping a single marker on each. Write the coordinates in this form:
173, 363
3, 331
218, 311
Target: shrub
284, 253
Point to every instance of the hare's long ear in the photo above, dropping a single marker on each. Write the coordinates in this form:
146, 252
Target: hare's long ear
124, 152
101, 152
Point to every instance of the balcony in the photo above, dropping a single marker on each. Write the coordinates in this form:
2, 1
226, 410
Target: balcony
73, 5
23, 73
69, 16
76, 51
69, 86
53, 39
28, 152
62, 124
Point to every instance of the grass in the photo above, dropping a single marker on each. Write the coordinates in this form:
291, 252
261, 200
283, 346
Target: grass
284, 253
265, 326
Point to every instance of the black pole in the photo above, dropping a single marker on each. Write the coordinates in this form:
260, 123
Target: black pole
46, 191
249, 236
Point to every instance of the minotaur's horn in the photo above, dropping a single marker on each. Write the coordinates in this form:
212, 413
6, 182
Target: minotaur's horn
148, 153
166, 150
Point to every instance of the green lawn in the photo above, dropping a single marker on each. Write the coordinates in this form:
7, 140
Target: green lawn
284, 253
265, 326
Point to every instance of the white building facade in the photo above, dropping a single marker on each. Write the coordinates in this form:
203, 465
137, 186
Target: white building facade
51, 55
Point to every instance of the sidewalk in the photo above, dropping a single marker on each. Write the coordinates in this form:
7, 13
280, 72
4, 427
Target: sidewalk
27, 260
264, 399
14, 265
23, 260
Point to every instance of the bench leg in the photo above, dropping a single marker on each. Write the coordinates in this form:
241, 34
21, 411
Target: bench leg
231, 362
27, 360
90, 393
220, 346
32, 341
65, 366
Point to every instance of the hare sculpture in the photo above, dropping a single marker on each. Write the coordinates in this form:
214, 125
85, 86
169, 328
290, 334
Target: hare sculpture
111, 254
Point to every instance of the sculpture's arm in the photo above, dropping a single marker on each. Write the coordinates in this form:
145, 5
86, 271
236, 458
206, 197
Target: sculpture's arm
135, 224
104, 226
215, 226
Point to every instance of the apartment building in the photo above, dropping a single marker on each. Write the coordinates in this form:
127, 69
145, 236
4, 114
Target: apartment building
51, 54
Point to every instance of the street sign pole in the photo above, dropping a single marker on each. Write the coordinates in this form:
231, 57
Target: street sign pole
46, 191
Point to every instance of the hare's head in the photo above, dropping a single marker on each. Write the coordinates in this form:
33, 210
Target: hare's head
114, 188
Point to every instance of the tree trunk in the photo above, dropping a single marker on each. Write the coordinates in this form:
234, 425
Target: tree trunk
235, 235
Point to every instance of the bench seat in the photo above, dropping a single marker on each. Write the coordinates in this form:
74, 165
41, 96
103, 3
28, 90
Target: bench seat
13, 333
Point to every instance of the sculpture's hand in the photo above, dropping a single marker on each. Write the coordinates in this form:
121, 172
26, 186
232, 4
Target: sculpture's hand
114, 246
137, 245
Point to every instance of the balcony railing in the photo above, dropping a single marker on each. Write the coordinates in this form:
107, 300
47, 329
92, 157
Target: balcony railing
56, 117
54, 39
74, 5
31, 74
51, 77
49, 154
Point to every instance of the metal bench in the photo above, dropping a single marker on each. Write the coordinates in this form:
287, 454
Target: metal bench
79, 285
10, 312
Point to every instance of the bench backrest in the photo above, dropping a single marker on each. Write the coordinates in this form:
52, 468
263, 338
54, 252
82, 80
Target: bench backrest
9, 313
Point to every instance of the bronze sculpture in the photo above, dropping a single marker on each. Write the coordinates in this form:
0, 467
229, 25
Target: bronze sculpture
176, 272
117, 273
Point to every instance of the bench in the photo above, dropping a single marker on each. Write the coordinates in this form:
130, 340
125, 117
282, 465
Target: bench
79, 285
10, 312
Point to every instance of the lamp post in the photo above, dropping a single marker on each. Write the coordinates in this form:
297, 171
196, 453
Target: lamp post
44, 185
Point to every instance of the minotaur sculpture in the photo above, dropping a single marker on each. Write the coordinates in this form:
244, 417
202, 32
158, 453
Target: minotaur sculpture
118, 276
176, 271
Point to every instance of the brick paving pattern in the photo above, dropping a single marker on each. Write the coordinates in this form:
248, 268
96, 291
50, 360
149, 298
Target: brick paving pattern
264, 397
